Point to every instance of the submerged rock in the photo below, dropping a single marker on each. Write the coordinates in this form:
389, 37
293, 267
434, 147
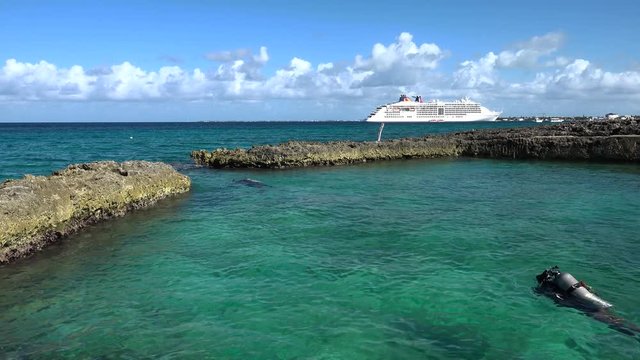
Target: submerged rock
600, 141
250, 183
38, 210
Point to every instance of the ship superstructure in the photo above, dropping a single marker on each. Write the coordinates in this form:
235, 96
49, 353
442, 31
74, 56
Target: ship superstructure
416, 110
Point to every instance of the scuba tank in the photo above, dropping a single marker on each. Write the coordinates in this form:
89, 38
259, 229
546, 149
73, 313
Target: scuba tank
565, 290
570, 287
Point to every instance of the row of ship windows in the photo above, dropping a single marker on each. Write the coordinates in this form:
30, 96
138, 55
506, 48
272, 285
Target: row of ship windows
463, 112
436, 113
421, 115
435, 107
433, 110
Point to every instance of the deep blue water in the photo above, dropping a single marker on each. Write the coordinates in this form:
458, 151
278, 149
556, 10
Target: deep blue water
41, 148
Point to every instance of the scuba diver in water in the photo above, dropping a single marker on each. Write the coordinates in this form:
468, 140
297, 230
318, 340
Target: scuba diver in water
565, 290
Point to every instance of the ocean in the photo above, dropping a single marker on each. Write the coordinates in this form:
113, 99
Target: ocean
405, 259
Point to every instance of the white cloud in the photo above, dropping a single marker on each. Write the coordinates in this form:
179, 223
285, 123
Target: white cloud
325, 67
128, 82
474, 74
239, 64
42, 81
559, 61
582, 79
403, 52
400, 63
541, 73
527, 54
545, 81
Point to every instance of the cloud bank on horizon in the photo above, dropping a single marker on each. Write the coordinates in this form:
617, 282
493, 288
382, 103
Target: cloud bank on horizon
405, 65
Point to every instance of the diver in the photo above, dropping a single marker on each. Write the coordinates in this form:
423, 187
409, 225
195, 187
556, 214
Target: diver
565, 290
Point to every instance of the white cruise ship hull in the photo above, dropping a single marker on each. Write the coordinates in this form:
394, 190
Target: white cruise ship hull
435, 111
417, 119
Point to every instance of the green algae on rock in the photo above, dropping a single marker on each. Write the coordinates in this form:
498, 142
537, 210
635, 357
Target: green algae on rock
39, 210
599, 141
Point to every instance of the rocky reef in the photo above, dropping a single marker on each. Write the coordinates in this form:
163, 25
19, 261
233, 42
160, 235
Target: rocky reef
300, 154
598, 141
38, 210
583, 141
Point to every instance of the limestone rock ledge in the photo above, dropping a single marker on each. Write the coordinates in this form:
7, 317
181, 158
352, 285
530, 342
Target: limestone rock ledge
302, 154
38, 210
584, 141
605, 141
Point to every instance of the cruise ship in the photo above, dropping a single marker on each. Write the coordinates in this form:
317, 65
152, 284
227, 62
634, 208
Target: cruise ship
407, 110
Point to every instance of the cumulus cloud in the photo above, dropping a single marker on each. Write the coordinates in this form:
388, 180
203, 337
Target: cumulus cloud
526, 54
238, 74
403, 52
401, 66
578, 81
239, 64
559, 61
580, 78
400, 63
44, 81
533, 72
475, 74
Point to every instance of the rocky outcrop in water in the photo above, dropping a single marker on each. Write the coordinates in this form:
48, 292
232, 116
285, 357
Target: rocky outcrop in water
300, 153
38, 210
599, 141
592, 141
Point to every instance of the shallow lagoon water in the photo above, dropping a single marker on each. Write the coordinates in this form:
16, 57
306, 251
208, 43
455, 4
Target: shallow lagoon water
405, 259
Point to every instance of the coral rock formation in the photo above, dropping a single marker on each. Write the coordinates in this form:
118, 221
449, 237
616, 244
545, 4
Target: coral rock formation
38, 210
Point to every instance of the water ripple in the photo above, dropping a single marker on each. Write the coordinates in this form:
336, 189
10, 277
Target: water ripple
415, 259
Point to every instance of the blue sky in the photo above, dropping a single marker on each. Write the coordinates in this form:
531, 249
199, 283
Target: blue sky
312, 60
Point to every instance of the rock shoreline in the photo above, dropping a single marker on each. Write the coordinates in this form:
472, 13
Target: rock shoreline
39, 210
301, 154
591, 141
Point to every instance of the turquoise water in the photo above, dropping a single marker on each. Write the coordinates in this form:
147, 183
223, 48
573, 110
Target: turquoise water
390, 260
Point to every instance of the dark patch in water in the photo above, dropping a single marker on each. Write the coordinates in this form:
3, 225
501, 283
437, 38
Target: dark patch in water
182, 166
250, 183
455, 341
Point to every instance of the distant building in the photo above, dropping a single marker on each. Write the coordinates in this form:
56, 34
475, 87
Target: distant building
611, 116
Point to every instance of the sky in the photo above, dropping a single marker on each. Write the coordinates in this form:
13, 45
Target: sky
252, 60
